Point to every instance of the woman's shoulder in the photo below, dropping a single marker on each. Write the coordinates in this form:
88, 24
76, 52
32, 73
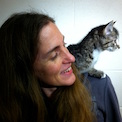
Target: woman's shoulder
98, 84
100, 88
104, 97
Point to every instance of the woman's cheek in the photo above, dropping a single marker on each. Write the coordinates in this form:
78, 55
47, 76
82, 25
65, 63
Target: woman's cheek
54, 67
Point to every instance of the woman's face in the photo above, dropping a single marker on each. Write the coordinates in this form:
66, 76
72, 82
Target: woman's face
53, 61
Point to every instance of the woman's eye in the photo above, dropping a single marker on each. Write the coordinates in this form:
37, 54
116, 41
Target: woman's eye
54, 56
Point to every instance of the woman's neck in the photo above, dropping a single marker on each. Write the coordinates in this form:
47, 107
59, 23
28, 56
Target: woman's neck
48, 91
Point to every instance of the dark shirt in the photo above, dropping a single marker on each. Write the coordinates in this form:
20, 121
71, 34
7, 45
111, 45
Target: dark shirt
104, 98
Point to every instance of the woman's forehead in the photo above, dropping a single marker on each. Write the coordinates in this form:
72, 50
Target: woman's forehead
49, 38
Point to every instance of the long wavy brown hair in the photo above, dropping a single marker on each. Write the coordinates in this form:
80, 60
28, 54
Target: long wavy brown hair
21, 99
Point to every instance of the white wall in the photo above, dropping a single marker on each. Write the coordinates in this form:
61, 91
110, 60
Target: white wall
75, 18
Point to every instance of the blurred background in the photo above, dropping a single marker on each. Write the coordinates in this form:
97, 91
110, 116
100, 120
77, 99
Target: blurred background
75, 18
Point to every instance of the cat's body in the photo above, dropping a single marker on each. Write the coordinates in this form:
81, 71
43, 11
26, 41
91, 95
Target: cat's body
87, 51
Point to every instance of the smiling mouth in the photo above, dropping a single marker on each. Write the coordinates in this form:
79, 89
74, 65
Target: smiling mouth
68, 70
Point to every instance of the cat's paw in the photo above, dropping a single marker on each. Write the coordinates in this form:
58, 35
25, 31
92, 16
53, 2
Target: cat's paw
104, 75
97, 73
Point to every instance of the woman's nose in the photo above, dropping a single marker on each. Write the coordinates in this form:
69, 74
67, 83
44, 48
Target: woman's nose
68, 57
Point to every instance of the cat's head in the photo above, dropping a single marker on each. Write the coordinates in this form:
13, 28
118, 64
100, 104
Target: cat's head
110, 37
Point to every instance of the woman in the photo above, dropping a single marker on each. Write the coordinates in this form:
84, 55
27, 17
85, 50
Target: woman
38, 81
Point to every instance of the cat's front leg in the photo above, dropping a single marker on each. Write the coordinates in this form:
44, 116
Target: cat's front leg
96, 73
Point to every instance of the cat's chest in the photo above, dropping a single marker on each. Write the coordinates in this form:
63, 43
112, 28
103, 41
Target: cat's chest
96, 54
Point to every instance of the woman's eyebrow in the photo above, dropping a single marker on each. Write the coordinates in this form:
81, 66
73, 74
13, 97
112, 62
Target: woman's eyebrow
53, 49
50, 51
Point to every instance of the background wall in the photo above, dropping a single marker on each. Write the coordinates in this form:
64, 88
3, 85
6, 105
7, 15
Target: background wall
75, 18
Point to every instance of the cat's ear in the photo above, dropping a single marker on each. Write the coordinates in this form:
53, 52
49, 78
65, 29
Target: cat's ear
109, 28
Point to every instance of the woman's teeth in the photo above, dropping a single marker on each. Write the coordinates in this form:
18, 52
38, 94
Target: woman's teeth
67, 70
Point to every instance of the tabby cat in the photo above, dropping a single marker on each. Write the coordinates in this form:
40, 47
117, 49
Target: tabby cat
87, 51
